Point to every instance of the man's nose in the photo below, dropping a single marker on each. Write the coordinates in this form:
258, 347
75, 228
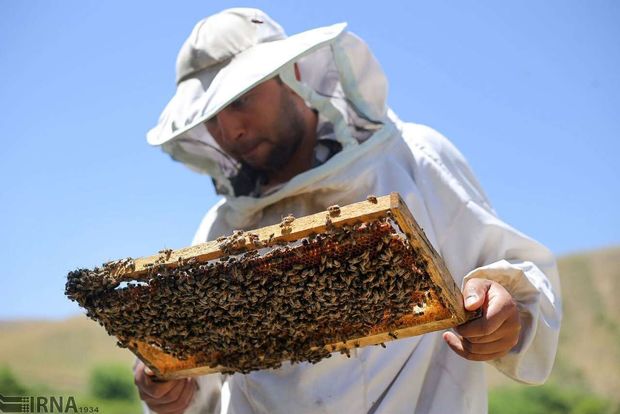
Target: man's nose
231, 126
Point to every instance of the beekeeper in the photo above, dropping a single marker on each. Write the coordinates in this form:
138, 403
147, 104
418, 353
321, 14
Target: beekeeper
295, 124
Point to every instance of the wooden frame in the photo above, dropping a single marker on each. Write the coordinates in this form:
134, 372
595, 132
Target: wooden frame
450, 314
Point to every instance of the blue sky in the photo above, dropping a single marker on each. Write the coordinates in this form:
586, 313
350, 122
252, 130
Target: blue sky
529, 91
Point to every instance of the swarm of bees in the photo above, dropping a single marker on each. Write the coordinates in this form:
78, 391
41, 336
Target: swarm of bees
249, 311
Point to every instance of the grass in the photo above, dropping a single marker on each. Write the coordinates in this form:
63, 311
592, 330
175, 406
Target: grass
110, 391
548, 399
61, 353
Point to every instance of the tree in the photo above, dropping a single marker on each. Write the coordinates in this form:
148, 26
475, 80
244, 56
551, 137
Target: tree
112, 382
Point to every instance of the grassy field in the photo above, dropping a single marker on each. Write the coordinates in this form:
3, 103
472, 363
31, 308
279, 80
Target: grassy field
60, 357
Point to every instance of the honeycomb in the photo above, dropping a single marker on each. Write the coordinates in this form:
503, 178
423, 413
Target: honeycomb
262, 302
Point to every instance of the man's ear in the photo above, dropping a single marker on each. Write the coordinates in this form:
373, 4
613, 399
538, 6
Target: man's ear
297, 72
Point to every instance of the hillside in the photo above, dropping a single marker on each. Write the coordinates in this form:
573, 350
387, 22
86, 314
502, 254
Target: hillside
59, 355
62, 354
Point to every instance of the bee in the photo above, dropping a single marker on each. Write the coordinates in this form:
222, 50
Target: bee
287, 221
130, 264
372, 199
334, 210
165, 254
328, 222
253, 238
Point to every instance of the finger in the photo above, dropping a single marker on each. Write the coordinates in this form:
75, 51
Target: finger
154, 390
456, 344
475, 292
152, 376
480, 327
164, 392
504, 344
180, 403
188, 393
151, 385
499, 308
510, 328
141, 367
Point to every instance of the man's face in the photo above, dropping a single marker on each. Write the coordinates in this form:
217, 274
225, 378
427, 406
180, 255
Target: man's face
262, 128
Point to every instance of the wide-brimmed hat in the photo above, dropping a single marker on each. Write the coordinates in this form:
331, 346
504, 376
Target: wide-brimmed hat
226, 55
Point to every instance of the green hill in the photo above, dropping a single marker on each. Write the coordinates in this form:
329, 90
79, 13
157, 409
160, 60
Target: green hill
61, 355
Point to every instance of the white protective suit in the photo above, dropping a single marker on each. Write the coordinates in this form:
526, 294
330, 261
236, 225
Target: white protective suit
381, 154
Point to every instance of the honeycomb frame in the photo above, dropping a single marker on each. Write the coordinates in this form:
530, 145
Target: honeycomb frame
447, 311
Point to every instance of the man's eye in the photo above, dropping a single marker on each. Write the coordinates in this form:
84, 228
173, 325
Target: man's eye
240, 102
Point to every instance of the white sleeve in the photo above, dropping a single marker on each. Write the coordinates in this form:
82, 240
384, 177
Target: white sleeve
207, 399
474, 242
528, 271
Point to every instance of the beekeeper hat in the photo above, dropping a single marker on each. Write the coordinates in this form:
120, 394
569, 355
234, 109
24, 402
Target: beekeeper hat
225, 55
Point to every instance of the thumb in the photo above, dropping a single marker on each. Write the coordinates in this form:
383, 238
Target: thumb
475, 292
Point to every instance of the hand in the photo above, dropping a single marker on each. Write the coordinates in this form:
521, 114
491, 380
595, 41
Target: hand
163, 397
496, 332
